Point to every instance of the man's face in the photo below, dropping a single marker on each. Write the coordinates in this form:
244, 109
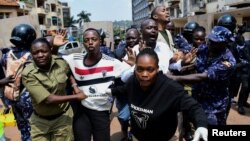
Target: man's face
162, 14
198, 38
150, 32
146, 70
41, 54
132, 38
91, 42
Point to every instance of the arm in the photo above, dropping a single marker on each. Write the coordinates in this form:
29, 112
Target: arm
7, 80
40, 94
197, 77
57, 99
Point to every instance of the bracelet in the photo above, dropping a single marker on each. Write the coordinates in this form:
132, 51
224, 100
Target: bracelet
73, 85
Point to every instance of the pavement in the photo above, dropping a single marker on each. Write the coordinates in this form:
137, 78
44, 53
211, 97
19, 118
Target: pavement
12, 134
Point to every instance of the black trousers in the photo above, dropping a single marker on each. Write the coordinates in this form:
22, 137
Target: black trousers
87, 122
244, 92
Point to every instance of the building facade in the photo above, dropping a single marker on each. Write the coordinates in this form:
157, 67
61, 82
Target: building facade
141, 10
66, 14
49, 12
8, 8
204, 12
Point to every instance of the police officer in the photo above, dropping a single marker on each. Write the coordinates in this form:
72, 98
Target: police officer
184, 41
214, 65
241, 54
46, 80
21, 36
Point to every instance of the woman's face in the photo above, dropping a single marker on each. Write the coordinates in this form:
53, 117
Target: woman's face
41, 54
146, 70
198, 38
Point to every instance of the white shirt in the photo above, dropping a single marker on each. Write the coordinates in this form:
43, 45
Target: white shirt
164, 54
94, 80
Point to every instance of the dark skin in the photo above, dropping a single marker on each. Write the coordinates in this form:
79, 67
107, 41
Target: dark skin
161, 16
214, 49
149, 30
42, 57
132, 38
198, 38
146, 71
171, 27
7, 80
92, 45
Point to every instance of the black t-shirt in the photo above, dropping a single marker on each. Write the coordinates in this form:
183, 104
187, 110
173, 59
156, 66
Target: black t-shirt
1, 72
154, 112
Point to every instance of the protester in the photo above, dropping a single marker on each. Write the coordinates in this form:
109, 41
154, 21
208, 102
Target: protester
94, 73
161, 16
132, 38
154, 101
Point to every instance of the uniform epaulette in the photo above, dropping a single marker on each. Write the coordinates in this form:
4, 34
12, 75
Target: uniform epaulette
28, 67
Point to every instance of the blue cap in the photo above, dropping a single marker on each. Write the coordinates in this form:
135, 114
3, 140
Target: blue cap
220, 34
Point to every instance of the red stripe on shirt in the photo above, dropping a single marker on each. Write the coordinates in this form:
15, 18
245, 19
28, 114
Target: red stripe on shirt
93, 70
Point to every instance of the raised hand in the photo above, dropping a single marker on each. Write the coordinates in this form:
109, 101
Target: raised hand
59, 38
142, 45
131, 56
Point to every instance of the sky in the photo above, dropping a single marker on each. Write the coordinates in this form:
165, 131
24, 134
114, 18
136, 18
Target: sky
102, 10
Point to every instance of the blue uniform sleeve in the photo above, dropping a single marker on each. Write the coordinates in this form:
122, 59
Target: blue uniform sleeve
222, 70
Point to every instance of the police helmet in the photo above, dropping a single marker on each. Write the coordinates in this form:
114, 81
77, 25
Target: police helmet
189, 27
188, 30
227, 21
23, 35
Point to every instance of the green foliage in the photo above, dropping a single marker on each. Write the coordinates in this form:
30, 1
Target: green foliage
119, 28
84, 16
69, 21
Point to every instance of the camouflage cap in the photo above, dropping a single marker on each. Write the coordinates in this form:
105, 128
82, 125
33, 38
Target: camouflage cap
220, 34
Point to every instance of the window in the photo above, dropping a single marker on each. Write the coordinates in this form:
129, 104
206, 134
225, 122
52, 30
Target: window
54, 21
59, 22
246, 21
47, 8
69, 46
48, 22
211, 1
7, 15
1, 15
53, 7
59, 11
75, 45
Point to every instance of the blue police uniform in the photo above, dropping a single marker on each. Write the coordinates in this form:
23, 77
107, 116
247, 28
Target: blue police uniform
182, 44
22, 108
213, 93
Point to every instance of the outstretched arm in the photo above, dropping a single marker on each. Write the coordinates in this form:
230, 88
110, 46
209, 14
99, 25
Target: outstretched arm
191, 78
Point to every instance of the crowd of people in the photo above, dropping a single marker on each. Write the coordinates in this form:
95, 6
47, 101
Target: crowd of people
159, 80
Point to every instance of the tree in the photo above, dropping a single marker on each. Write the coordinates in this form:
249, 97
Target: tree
84, 16
69, 21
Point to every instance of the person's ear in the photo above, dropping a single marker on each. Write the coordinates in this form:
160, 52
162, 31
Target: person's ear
155, 17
